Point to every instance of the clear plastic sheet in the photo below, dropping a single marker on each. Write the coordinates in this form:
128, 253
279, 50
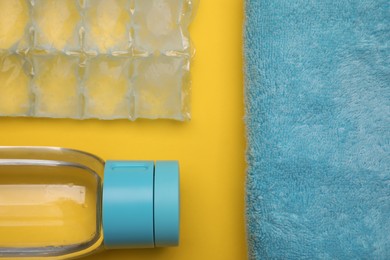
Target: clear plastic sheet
96, 58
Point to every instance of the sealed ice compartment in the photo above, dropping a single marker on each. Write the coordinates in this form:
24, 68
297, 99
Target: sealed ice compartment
15, 96
56, 24
160, 89
107, 26
158, 26
107, 88
14, 20
56, 86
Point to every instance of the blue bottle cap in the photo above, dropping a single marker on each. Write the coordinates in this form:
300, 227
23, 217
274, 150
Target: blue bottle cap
166, 204
140, 204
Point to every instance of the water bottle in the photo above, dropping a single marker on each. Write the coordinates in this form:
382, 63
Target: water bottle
62, 203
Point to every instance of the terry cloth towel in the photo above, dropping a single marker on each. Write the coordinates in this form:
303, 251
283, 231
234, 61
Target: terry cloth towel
318, 129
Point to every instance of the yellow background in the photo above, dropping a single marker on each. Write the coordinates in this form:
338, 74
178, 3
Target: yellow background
210, 147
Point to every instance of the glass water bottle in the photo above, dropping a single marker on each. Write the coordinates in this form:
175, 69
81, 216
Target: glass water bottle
54, 202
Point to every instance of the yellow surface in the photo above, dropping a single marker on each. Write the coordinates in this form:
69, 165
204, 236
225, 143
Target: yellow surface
210, 147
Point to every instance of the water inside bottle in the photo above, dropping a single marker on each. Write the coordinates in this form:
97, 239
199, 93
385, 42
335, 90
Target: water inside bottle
56, 206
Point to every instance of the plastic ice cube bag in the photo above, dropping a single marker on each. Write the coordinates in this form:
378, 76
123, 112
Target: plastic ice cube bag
118, 59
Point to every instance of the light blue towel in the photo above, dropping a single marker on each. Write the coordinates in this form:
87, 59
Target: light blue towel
318, 125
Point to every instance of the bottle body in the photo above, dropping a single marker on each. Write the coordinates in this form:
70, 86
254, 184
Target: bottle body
50, 202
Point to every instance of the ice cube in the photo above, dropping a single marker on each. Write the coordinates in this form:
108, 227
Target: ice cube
56, 86
14, 18
107, 25
57, 24
106, 88
159, 87
14, 87
157, 26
